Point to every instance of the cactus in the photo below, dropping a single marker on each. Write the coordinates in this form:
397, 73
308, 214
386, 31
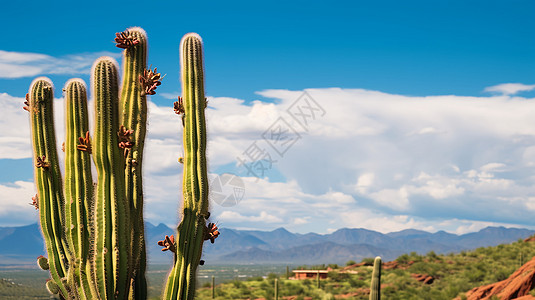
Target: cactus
213, 287
111, 254
95, 236
276, 296
192, 231
95, 240
375, 289
78, 182
48, 180
137, 83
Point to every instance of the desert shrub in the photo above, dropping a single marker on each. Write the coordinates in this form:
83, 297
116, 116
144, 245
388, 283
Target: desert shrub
292, 288
403, 259
332, 266
356, 283
350, 262
337, 276
255, 278
368, 261
501, 274
475, 275
238, 284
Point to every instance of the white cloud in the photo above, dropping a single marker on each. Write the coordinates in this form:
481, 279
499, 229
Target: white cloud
363, 218
493, 167
510, 88
14, 203
301, 221
169, 95
397, 199
364, 182
375, 160
15, 127
25, 64
237, 217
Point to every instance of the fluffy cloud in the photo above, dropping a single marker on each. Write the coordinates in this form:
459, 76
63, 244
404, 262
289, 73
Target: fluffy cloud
24, 64
510, 88
14, 203
348, 158
15, 127
14, 139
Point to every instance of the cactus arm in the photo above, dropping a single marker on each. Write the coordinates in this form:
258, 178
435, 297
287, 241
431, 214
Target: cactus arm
48, 179
375, 288
191, 230
134, 115
112, 250
78, 180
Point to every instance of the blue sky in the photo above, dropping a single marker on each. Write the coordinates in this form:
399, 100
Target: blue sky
396, 80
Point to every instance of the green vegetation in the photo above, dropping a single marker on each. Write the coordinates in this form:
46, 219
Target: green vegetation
23, 284
454, 274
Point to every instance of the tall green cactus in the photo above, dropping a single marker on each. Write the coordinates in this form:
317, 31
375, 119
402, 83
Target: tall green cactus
191, 231
112, 235
95, 239
375, 288
95, 236
78, 183
48, 180
137, 83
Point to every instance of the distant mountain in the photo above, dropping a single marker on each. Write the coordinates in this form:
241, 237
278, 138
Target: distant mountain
315, 253
21, 245
409, 233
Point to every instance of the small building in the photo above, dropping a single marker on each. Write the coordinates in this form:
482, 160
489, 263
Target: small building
310, 274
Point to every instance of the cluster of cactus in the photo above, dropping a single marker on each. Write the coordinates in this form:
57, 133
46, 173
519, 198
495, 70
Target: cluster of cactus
375, 288
94, 234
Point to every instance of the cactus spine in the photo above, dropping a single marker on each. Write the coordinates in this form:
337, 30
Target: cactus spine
375, 289
134, 116
213, 287
78, 182
94, 239
191, 231
112, 255
276, 297
48, 180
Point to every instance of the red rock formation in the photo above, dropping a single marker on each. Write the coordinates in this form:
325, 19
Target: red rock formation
390, 265
395, 265
423, 278
353, 266
515, 287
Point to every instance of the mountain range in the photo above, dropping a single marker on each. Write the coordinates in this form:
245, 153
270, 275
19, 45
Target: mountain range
21, 245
